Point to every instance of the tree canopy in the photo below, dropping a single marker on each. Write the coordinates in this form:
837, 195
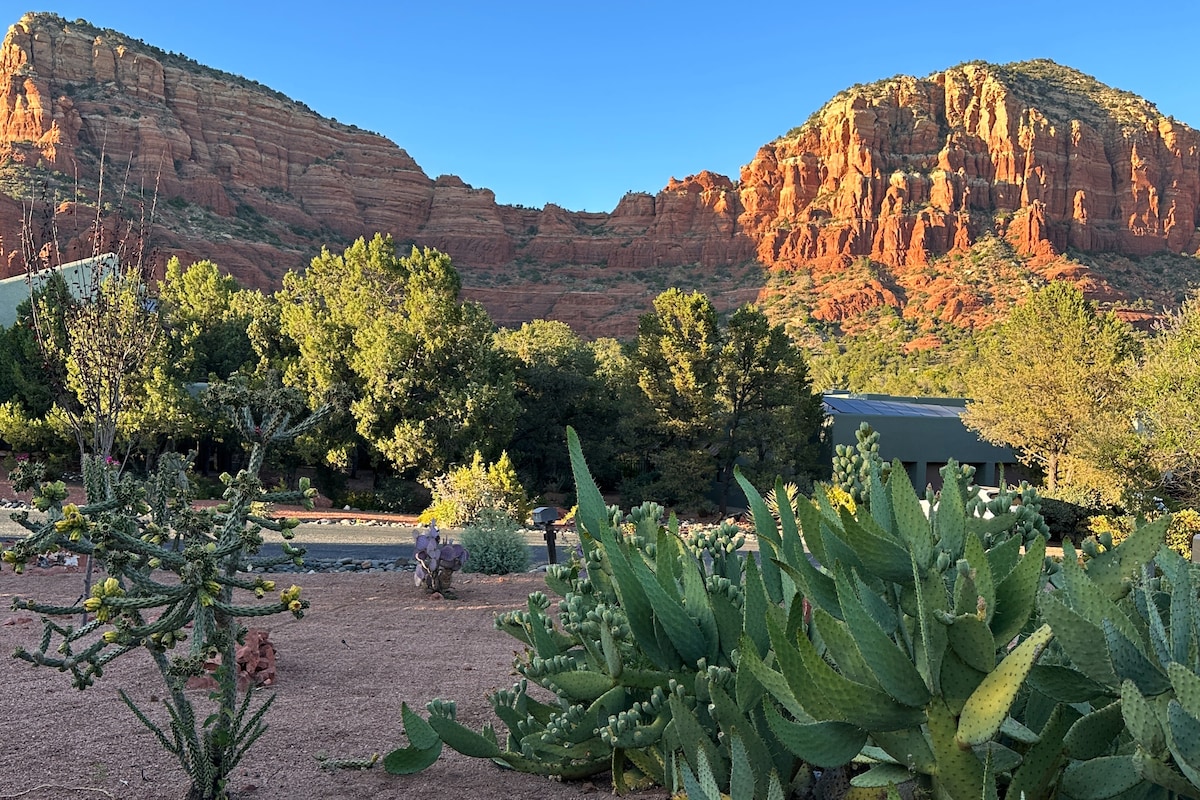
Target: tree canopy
1051, 381
425, 384
1167, 399
719, 396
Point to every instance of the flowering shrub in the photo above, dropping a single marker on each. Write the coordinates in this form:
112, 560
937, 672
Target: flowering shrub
461, 494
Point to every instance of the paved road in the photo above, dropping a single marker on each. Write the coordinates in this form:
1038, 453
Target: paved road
362, 541
359, 541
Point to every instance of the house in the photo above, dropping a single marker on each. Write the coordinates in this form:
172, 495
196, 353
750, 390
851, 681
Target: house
923, 432
85, 272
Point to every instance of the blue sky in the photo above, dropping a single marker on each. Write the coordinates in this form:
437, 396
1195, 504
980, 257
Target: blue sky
577, 103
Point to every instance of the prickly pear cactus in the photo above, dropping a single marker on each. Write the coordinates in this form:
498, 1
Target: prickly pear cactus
1129, 634
920, 640
1024, 501
640, 656
437, 560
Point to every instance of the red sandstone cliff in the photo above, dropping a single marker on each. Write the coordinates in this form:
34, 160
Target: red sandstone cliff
907, 170
863, 203
258, 183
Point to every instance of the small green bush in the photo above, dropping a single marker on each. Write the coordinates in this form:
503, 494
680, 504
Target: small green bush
495, 544
1066, 519
398, 494
206, 487
363, 501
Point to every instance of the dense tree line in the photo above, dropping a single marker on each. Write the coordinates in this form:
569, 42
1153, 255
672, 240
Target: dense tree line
422, 381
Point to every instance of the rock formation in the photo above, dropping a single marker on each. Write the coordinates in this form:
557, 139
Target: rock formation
878, 201
907, 170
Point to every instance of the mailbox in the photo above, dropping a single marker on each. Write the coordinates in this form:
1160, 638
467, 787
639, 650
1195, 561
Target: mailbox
544, 514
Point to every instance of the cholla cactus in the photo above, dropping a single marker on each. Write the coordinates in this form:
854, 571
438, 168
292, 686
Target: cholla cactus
437, 561
139, 532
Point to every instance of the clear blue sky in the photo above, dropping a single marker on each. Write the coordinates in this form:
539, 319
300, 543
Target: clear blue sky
577, 103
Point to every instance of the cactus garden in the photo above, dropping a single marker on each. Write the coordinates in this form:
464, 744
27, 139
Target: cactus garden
921, 651
363, 647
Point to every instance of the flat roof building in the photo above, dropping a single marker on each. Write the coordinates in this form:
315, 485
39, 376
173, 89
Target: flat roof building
923, 432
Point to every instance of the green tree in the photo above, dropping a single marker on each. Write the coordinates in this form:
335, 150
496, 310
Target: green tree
29, 418
621, 401
770, 417
309, 333
719, 396
678, 347
204, 321
1167, 392
386, 337
556, 385
435, 388
1051, 382
99, 348
26, 376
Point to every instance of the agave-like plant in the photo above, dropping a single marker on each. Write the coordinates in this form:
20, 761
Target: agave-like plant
437, 561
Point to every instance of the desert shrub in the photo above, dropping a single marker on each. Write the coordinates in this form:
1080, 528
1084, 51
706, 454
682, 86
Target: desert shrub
363, 501
20, 431
205, 487
462, 494
495, 544
397, 494
1066, 519
1118, 527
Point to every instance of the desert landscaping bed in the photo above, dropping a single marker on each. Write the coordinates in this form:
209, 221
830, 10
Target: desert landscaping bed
368, 643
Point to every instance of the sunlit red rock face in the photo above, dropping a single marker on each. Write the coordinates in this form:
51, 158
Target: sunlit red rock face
911, 168
258, 183
907, 170
864, 200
